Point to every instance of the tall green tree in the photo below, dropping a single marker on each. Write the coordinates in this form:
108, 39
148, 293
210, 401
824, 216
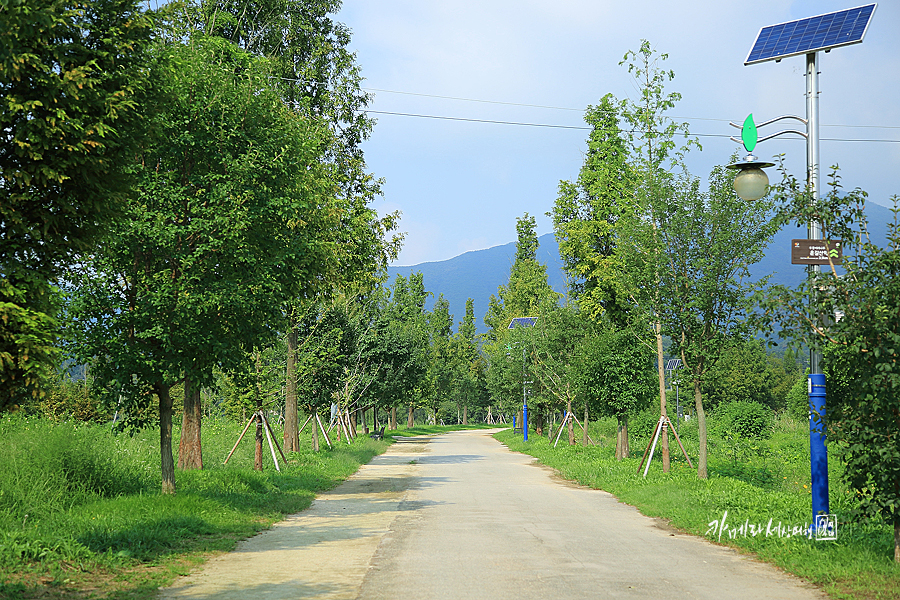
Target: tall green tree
317, 75
710, 240
72, 79
230, 219
614, 375
441, 374
558, 333
527, 289
587, 211
468, 363
526, 293
329, 342
400, 347
656, 154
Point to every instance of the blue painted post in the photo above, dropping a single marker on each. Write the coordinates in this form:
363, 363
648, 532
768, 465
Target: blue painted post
817, 452
514, 423
525, 420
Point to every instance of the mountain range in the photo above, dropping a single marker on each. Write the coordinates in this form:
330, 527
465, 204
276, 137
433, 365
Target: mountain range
478, 274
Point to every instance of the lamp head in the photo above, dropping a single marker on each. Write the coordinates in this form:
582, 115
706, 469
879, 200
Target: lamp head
751, 181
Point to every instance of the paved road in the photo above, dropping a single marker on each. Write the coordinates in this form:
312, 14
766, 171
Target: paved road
459, 516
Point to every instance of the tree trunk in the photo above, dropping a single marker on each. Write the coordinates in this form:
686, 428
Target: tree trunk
315, 431
701, 428
353, 423
167, 463
584, 433
622, 449
570, 416
897, 541
465, 414
661, 368
393, 418
291, 418
189, 450
410, 422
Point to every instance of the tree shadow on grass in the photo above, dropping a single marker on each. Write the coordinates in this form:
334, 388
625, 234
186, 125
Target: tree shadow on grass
148, 539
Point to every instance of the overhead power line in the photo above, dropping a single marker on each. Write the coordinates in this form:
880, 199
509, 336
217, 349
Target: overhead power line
579, 127
581, 110
548, 107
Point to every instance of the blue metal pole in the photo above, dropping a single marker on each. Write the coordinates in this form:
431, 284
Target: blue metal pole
817, 452
525, 420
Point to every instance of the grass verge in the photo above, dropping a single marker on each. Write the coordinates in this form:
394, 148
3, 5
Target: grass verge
81, 515
754, 486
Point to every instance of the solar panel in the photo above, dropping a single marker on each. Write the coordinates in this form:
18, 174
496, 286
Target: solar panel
811, 35
673, 363
522, 322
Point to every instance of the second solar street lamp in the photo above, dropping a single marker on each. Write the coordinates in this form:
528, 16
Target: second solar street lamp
515, 323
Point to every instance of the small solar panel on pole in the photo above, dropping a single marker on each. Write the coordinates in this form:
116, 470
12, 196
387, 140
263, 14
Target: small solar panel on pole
810, 36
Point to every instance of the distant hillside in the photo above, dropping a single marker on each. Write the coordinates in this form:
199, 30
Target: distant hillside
479, 273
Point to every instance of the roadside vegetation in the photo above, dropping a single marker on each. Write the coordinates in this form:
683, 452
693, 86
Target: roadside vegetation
757, 472
82, 515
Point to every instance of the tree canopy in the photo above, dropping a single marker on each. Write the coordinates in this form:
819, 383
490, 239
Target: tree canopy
73, 77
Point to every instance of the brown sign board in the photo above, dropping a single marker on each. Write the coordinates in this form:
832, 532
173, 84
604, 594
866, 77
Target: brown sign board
815, 252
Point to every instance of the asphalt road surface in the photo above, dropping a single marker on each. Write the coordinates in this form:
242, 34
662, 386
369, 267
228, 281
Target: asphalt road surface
458, 516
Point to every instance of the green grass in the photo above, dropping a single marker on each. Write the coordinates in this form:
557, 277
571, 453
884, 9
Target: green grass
81, 514
754, 481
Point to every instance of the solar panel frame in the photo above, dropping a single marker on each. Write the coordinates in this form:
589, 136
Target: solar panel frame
812, 34
522, 322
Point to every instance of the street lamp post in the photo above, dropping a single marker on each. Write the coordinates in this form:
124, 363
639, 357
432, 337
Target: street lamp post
807, 37
523, 322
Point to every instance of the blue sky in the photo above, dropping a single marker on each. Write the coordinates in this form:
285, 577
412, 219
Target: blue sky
460, 185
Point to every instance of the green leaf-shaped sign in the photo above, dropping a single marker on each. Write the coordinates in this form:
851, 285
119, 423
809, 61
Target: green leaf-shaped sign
749, 134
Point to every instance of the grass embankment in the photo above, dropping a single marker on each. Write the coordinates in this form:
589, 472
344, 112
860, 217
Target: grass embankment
754, 481
81, 515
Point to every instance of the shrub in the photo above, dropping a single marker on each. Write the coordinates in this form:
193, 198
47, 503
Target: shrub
798, 400
642, 424
749, 420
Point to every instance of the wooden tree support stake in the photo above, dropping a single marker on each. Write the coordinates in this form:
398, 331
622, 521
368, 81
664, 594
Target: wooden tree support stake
271, 447
270, 435
240, 437
347, 426
322, 428
304, 424
663, 423
344, 428
273, 438
565, 421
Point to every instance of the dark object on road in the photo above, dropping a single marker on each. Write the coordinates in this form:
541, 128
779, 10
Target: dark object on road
377, 435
